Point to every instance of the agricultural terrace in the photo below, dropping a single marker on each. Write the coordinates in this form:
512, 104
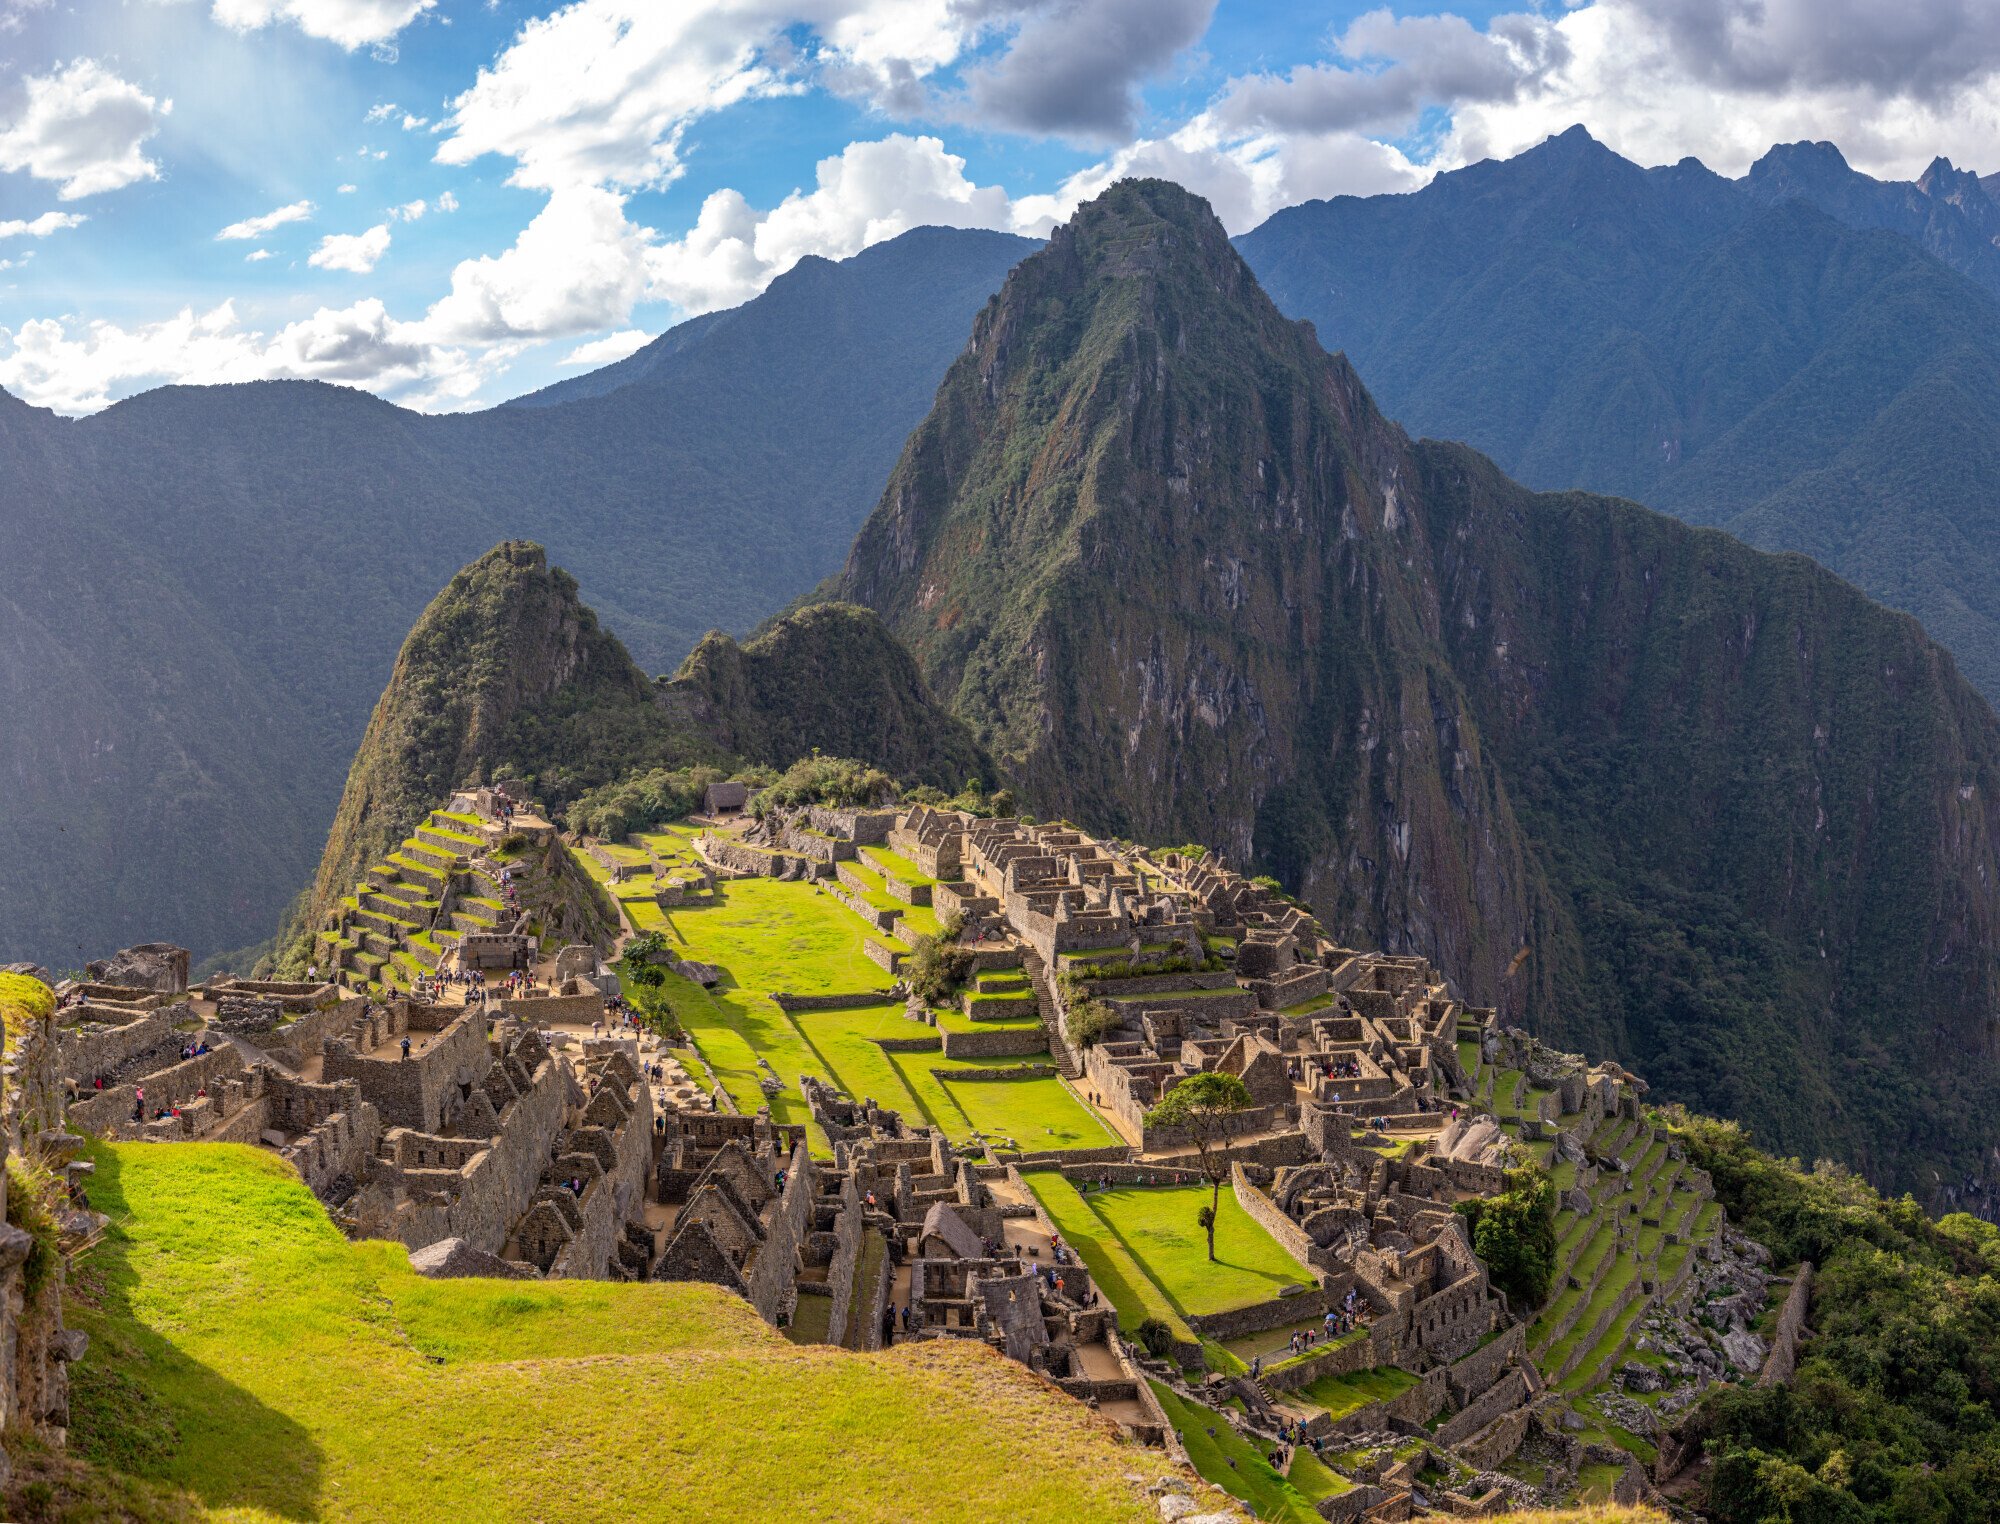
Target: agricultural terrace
251, 1363
775, 936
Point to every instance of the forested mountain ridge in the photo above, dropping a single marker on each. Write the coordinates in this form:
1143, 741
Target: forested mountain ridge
1778, 356
207, 585
507, 674
1166, 557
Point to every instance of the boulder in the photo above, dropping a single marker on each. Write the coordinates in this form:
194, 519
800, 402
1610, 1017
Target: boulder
158, 966
451, 1258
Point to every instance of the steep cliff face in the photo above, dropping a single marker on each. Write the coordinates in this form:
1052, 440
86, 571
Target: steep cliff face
506, 672
1165, 556
829, 678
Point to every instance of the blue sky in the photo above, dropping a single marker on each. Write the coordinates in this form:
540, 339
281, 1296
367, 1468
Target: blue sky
463, 200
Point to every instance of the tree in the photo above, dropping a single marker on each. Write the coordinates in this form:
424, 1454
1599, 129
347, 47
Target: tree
1514, 1233
1205, 1104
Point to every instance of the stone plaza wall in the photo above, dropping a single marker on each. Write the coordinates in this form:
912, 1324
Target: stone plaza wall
1290, 1237
555, 1010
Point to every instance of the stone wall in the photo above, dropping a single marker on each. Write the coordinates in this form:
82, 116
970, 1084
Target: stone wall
1265, 1212
413, 1092
1480, 1369
333, 1153
1314, 1302
108, 1112
846, 1002
87, 1052
1784, 1355
1001, 1042
554, 1010
491, 1193
775, 1272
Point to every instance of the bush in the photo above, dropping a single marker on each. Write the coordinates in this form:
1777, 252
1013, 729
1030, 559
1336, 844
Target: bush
936, 969
1515, 1234
839, 781
640, 801
1156, 1338
1089, 1021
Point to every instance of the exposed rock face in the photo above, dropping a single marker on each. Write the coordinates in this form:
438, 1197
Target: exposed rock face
831, 678
1633, 783
150, 966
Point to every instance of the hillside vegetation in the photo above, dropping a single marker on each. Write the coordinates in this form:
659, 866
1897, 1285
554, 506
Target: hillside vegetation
247, 1361
1637, 784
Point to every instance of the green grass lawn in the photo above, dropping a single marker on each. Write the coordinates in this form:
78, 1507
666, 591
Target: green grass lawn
1157, 1223
774, 935
1112, 1267
1313, 1478
1038, 1114
894, 865
1341, 1395
248, 1363
1212, 1445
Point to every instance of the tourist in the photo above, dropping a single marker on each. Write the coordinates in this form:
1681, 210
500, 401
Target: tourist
406, 1047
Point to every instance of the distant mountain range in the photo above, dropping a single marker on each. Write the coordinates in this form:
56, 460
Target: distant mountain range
1805, 357
206, 586
1650, 791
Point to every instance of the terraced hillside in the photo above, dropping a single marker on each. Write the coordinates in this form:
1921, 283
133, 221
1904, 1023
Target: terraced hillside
1633, 1212
805, 991
409, 909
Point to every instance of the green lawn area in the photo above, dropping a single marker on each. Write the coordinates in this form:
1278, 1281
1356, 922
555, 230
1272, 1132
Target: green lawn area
1037, 1114
770, 934
1341, 1395
894, 865
1212, 1445
1116, 1273
1157, 1223
1313, 1478
248, 1363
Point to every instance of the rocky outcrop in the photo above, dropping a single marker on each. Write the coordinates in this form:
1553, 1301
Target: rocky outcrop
157, 966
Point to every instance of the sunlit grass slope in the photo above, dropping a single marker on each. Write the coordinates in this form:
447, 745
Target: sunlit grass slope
247, 1357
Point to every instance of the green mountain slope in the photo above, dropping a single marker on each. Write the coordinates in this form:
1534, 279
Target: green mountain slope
1805, 357
509, 675
206, 585
1165, 556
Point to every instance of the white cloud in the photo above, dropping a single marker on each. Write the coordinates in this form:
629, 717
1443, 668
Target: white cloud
42, 226
255, 255
353, 252
409, 211
83, 126
1244, 178
349, 23
1392, 68
81, 370
864, 194
1894, 84
412, 123
577, 268
381, 111
1074, 70
600, 91
613, 346
447, 202
257, 227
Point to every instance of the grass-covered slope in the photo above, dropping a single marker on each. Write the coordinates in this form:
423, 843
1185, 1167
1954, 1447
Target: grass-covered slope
248, 1362
1168, 559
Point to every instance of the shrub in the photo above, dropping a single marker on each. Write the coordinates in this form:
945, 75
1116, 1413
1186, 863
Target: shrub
30, 1206
936, 969
1515, 1234
816, 779
1156, 1338
1089, 1021
640, 801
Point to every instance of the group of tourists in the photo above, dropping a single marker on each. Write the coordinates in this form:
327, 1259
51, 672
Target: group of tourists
195, 1049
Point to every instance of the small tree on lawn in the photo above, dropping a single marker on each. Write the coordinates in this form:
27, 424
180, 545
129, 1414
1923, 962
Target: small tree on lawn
1205, 1105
